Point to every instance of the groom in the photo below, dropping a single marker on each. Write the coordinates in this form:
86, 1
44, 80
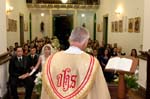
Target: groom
74, 74
18, 68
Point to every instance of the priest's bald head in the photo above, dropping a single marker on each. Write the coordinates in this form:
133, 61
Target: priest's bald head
79, 37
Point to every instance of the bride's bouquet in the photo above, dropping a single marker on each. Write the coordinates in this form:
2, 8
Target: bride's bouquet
38, 83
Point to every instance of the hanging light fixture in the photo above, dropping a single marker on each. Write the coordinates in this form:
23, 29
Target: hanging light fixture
82, 15
42, 14
64, 1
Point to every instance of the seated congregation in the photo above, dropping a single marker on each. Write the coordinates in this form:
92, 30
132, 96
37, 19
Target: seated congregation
32, 55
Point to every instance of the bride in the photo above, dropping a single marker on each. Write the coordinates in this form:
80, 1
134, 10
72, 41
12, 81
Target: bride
47, 50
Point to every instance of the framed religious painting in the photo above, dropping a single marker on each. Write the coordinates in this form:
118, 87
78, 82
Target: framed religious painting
113, 26
26, 26
116, 26
12, 25
99, 28
137, 22
130, 24
120, 25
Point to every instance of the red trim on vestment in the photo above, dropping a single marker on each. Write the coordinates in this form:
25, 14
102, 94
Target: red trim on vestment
74, 93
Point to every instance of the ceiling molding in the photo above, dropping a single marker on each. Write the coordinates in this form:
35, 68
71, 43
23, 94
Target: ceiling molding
75, 6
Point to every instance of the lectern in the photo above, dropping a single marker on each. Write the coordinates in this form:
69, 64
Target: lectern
121, 84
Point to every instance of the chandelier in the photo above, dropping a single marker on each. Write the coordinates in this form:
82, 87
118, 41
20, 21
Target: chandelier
64, 1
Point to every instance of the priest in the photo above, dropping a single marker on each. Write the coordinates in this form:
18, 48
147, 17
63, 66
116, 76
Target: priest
74, 74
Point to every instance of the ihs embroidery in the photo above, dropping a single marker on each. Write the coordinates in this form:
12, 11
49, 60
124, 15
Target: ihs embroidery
66, 80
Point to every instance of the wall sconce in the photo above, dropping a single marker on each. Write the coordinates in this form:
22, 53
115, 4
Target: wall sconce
119, 10
9, 9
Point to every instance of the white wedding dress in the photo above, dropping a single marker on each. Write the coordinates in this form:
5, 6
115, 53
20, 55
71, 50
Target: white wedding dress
42, 56
43, 92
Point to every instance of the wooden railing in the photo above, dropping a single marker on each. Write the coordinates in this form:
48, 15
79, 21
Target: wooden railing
4, 58
148, 76
146, 56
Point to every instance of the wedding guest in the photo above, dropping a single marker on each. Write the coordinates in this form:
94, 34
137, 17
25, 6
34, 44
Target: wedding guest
18, 72
134, 54
11, 51
101, 49
103, 59
95, 53
119, 51
114, 52
33, 59
16, 45
26, 50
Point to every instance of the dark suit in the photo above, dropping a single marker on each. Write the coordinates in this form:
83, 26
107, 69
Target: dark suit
32, 61
16, 69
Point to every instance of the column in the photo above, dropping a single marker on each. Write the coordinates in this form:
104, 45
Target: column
3, 38
75, 18
3, 49
51, 23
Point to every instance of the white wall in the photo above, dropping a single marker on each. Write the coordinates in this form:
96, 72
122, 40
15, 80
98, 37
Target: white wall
20, 8
37, 19
88, 20
131, 9
3, 38
47, 19
146, 35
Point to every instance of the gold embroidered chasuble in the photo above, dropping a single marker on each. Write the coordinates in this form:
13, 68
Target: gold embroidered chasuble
73, 76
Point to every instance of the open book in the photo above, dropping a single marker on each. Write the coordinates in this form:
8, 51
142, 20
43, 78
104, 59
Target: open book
117, 63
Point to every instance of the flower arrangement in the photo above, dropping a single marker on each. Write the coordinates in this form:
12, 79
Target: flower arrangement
38, 83
130, 80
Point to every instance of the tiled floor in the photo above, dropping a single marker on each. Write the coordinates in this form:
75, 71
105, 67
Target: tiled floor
130, 94
134, 95
112, 89
113, 92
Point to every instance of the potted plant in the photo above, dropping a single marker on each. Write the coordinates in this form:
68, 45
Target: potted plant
131, 84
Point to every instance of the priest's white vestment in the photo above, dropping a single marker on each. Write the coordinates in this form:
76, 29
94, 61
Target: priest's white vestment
73, 74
